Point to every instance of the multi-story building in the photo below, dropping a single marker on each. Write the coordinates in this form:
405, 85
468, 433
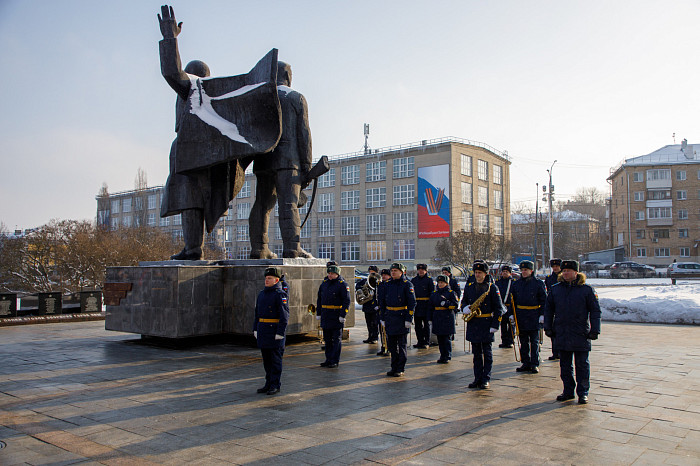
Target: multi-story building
375, 207
655, 205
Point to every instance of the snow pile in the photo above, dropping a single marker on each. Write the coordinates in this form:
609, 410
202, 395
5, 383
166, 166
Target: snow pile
678, 304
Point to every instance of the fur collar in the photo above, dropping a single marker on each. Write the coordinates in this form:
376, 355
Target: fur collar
580, 279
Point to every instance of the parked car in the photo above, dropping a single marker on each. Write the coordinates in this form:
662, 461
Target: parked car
683, 270
630, 269
587, 266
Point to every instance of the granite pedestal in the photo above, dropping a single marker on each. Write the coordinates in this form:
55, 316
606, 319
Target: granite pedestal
181, 299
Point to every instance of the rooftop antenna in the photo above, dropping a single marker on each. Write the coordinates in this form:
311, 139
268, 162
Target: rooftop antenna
674, 138
367, 150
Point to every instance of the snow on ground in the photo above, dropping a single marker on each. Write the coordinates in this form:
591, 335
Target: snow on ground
672, 304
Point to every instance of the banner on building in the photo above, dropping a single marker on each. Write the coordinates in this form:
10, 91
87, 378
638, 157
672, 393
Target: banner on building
433, 201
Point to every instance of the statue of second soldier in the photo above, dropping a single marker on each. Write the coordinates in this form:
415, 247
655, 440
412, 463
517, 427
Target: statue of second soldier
397, 301
331, 308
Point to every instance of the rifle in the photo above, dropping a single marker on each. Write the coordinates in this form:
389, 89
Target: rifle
316, 171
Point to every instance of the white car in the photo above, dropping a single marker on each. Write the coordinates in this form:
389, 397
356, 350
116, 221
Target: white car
683, 269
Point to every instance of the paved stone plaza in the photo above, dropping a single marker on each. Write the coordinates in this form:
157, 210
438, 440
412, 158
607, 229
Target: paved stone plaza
73, 393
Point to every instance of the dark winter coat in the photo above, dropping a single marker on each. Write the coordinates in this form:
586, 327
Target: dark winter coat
423, 287
454, 286
551, 280
479, 328
397, 302
506, 294
333, 302
529, 295
443, 303
271, 316
572, 312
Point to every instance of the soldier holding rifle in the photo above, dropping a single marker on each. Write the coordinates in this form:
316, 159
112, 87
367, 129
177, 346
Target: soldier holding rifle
528, 296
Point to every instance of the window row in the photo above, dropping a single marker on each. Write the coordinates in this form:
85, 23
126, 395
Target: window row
661, 195
660, 174
483, 227
654, 213
661, 233
482, 169
126, 204
663, 252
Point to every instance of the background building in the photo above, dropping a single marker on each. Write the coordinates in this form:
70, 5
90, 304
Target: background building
655, 205
372, 207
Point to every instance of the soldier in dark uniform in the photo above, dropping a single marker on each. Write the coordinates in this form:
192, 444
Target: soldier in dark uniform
480, 328
423, 287
505, 286
549, 281
572, 317
443, 306
385, 277
332, 307
271, 317
454, 286
529, 295
397, 302
370, 309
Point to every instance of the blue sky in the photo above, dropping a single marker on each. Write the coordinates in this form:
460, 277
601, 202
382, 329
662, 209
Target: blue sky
586, 83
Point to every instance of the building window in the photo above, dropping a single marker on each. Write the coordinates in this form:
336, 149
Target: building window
639, 196
327, 202
685, 252
245, 190
164, 221
639, 215
243, 210
641, 252
659, 174
376, 171
115, 206
326, 226
659, 194
243, 252
498, 226
497, 174
126, 205
376, 251
659, 212
376, 197
138, 204
498, 199
350, 200
277, 230
305, 231
662, 252
151, 201
404, 222
404, 194
682, 214
327, 180
483, 196
467, 221
661, 233
242, 233
350, 225
126, 220
278, 249
404, 167
682, 232
350, 175
483, 223
483, 170
376, 224
681, 195
115, 223
151, 220
326, 250
680, 175
404, 249
349, 251
638, 177
177, 219
466, 193
467, 165
305, 208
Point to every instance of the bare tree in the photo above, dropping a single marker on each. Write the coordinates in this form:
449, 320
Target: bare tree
140, 198
464, 247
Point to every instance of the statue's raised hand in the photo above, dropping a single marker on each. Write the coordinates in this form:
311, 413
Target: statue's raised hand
169, 27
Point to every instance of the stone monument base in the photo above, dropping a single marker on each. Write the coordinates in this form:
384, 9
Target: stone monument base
175, 299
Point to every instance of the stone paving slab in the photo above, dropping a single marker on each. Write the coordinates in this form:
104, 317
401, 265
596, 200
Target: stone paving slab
73, 393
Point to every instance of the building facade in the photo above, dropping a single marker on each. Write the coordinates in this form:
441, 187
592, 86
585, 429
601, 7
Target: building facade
386, 205
655, 205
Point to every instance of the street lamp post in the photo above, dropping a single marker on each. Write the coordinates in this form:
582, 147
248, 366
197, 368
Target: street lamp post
550, 195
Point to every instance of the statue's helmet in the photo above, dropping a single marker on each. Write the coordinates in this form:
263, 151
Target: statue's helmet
197, 68
284, 73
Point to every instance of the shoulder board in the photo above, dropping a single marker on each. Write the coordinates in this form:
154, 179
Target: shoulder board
341, 281
405, 279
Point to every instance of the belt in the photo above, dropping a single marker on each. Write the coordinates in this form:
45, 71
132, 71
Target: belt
325, 306
269, 321
397, 308
422, 299
445, 308
527, 307
484, 315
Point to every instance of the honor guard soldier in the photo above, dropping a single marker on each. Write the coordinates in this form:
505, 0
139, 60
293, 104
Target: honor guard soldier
454, 286
572, 319
423, 287
332, 307
371, 308
385, 278
505, 286
482, 307
443, 303
397, 301
549, 281
271, 317
529, 295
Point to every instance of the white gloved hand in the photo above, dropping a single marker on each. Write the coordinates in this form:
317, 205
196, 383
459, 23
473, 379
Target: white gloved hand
255, 334
493, 330
318, 317
541, 320
408, 324
376, 308
382, 322
341, 319
442, 303
279, 337
512, 320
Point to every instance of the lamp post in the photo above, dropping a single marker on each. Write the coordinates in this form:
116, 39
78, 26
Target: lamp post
549, 196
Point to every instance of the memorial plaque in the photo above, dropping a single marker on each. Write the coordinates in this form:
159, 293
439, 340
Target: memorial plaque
50, 304
90, 301
8, 305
